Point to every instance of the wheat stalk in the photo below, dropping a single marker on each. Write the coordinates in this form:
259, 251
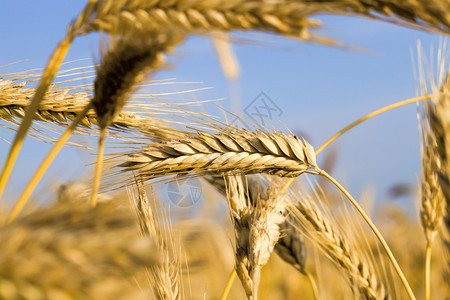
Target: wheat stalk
232, 152
49, 72
335, 244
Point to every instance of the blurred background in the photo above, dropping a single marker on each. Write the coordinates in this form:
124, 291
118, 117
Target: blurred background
313, 90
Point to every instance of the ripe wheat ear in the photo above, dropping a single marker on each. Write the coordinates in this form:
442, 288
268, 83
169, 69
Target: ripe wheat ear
123, 66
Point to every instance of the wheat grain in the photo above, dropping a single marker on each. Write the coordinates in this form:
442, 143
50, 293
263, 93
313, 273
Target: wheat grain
290, 247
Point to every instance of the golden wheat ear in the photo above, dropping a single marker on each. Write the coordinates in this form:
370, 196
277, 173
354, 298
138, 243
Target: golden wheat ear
123, 66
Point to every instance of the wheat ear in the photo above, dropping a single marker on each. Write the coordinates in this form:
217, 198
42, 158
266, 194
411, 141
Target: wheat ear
268, 216
439, 118
231, 152
257, 228
285, 17
290, 246
432, 199
124, 65
165, 277
241, 214
60, 106
334, 243
375, 230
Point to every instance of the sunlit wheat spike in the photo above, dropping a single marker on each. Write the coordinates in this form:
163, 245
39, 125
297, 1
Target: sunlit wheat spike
335, 244
433, 200
124, 65
241, 214
61, 106
267, 218
287, 17
257, 229
290, 247
283, 16
81, 250
233, 152
432, 208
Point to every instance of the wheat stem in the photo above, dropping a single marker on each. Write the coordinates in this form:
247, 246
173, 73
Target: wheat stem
427, 271
46, 79
313, 284
371, 115
98, 166
44, 166
375, 231
230, 281
357, 122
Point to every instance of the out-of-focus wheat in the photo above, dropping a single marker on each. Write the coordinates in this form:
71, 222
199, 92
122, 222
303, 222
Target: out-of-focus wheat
166, 276
84, 253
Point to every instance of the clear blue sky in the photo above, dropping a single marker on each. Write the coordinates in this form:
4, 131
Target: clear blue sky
319, 89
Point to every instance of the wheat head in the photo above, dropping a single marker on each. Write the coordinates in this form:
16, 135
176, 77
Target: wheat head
231, 152
335, 245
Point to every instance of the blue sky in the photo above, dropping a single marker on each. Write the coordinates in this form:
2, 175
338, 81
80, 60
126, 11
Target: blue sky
319, 89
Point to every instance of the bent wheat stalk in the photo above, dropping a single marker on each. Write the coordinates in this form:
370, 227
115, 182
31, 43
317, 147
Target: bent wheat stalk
377, 233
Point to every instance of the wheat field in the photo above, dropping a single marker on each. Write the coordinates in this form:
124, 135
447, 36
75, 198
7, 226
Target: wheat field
178, 202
